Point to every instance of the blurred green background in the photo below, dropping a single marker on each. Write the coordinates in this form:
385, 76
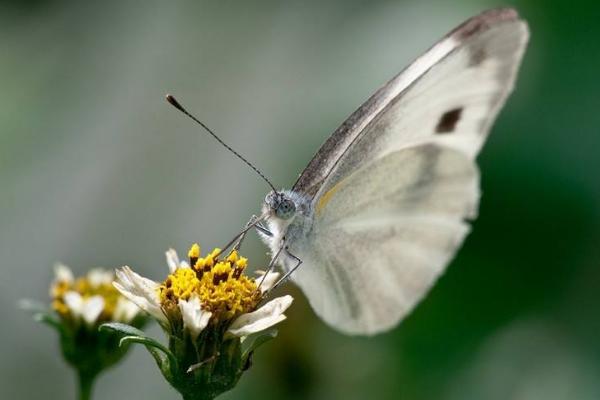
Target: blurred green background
97, 170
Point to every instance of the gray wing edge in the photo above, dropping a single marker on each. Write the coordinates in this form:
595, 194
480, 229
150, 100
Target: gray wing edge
328, 155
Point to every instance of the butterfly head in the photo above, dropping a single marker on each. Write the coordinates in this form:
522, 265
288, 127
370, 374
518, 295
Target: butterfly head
281, 205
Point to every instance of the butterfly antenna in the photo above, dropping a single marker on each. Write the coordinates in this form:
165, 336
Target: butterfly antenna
178, 106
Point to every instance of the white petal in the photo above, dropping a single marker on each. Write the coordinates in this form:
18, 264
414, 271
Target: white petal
142, 302
141, 291
172, 260
62, 273
92, 308
261, 319
269, 280
194, 318
125, 310
138, 284
99, 276
74, 302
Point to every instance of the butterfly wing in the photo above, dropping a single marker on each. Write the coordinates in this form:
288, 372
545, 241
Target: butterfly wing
392, 187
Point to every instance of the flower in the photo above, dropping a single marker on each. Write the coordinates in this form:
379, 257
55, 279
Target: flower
212, 290
91, 299
78, 307
209, 308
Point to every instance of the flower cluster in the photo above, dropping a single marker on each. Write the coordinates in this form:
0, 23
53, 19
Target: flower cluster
212, 313
79, 306
91, 299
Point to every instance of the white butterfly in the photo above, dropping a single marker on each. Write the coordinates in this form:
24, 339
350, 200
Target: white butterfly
383, 206
381, 209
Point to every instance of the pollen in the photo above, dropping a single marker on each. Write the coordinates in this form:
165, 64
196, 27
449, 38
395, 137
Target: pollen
233, 256
221, 284
179, 285
194, 253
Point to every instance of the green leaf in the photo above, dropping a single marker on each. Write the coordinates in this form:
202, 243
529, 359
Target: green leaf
134, 335
123, 329
253, 341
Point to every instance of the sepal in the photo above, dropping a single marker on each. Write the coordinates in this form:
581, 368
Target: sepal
41, 313
129, 334
254, 341
48, 319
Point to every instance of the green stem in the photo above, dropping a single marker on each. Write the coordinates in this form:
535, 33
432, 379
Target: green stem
198, 396
86, 382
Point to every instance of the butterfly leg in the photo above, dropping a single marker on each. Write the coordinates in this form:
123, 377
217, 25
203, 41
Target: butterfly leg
290, 272
254, 221
263, 230
242, 236
260, 228
270, 267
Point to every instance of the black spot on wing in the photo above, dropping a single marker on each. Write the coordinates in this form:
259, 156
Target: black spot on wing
448, 121
476, 56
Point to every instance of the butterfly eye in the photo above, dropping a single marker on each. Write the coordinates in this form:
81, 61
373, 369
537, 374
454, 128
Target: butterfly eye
286, 209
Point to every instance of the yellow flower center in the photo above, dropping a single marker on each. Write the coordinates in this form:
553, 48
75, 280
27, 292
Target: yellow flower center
221, 285
86, 289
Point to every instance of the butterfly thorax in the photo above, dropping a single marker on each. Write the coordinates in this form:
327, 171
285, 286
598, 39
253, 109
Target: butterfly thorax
289, 219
